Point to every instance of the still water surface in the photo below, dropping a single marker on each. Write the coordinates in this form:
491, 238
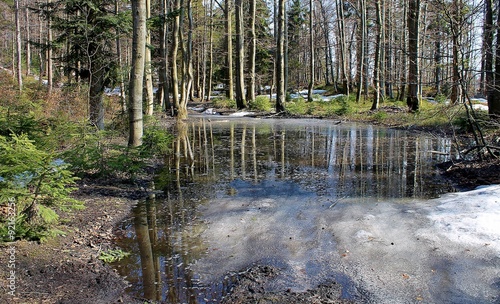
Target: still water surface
262, 171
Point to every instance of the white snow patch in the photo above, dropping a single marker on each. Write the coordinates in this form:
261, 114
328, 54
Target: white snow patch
470, 217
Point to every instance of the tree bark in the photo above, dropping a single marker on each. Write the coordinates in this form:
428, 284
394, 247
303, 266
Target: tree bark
148, 71
253, 52
280, 56
413, 47
311, 51
229, 49
18, 48
240, 56
494, 95
487, 75
137, 73
378, 50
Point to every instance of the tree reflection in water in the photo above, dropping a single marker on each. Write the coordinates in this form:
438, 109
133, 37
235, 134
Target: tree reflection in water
209, 160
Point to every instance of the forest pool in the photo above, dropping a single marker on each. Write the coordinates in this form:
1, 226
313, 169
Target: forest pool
319, 199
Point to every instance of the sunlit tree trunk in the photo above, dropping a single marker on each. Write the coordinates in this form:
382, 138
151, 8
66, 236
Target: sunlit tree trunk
174, 52
280, 60
50, 72
487, 63
137, 73
28, 40
361, 50
229, 49
210, 51
252, 55
342, 47
121, 81
311, 50
18, 48
240, 56
378, 50
149, 67
494, 95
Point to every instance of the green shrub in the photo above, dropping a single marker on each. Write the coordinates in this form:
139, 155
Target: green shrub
156, 141
346, 107
261, 103
37, 183
297, 107
111, 256
224, 103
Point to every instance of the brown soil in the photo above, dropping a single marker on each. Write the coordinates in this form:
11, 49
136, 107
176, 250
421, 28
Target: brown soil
67, 269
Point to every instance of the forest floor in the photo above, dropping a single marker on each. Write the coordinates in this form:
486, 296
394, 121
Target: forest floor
66, 269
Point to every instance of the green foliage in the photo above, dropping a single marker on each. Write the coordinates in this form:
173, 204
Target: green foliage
224, 103
93, 152
380, 116
261, 103
297, 107
38, 183
346, 106
111, 255
156, 141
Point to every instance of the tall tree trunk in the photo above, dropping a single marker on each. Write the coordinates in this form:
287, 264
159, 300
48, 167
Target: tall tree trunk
437, 65
174, 52
240, 56
187, 61
455, 32
229, 48
19, 65
148, 77
253, 53
137, 73
342, 47
378, 50
413, 47
50, 72
164, 65
361, 50
28, 40
280, 62
121, 81
487, 63
311, 50
494, 94
210, 51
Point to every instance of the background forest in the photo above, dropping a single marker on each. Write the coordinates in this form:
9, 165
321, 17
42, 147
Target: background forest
69, 62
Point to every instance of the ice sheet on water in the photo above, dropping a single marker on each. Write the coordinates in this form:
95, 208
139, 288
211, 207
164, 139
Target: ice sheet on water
420, 250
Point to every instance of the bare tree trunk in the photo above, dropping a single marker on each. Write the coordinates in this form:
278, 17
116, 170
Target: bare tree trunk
253, 52
137, 73
148, 67
361, 50
413, 46
121, 82
311, 50
174, 53
487, 63
342, 47
211, 54
28, 41
378, 50
50, 72
18, 48
229, 49
240, 56
494, 95
280, 62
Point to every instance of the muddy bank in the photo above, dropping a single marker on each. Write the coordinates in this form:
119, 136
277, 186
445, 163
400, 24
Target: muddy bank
66, 269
